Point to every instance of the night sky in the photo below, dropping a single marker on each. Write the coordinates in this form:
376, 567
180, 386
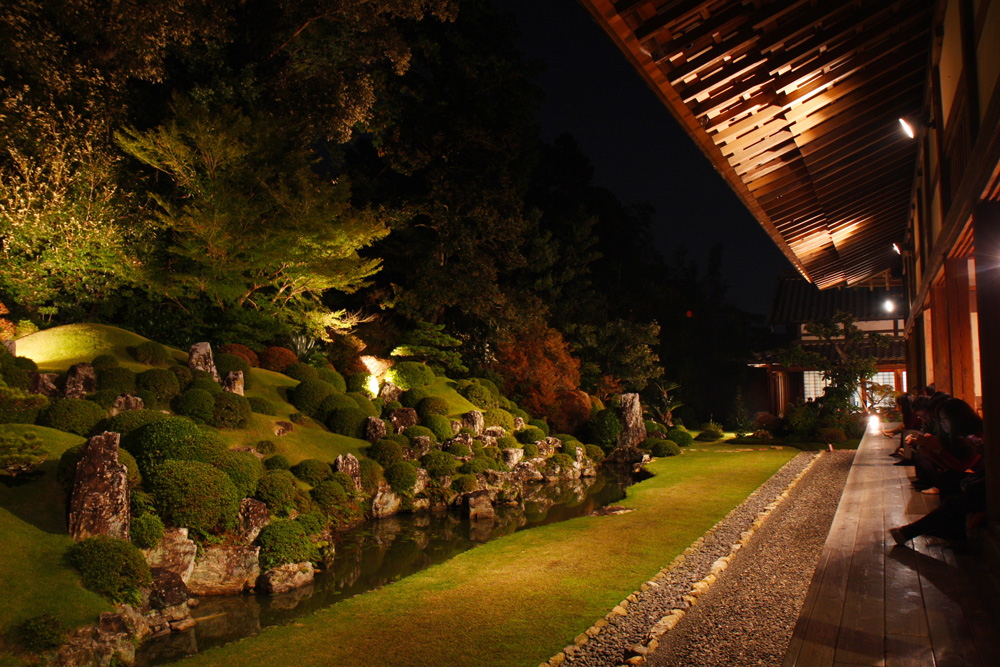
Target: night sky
637, 149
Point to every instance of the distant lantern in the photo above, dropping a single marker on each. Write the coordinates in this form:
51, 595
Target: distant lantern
906, 128
690, 313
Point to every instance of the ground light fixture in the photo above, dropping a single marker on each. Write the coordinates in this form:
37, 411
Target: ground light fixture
907, 128
873, 422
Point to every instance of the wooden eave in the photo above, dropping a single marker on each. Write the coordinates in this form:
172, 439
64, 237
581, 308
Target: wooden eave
796, 104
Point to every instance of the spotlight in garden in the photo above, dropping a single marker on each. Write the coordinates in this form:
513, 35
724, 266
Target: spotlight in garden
873, 422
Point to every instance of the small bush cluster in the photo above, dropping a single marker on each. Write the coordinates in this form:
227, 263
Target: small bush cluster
227, 363
276, 359
172, 438
385, 452
498, 417
432, 405
197, 404
371, 475
73, 415
401, 476
241, 351
112, 568
40, 633
230, 411
329, 495
276, 489
529, 434
711, 431
438, 464
127, 422
479, 396
440, 426
661, 448
412, 397
364, 403
347, 421
680, 436
530, 450
312, 471
307, 396
20, 452
103, 361
194, 494
465, 483
243, 469
183, 374
151, 353
159, 382
410, 374
594, 452
282, 542
116, 379
831, 434
540, 424
333, 377
604, 428
302, 371
262, 406
277, 462
146, 530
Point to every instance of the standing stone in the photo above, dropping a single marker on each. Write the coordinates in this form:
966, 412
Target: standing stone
175, 552
99, 503
390, 392
386, 502
233, 382
253, 516
633, 427
43, 383
478, 507
402, 418
350, 466
474, 422
200, 359
80, 381
11, 346
374, 429
124, 403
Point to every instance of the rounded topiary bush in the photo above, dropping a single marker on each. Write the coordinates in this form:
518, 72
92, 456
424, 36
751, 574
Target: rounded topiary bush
265, 447
681, 437
302, 371
364, 403
117, 379
333, 402
312, 471
160, 382
594, 452
478, 465
309, 395
604, 428
277, 462
104, 397
262, 406
205, 384
112, 568
410, 374
459, 449
103, 361
243, 468
197, 404
479, 396
194, 494
126, 422
412, 432
439, 464
146, 530
282, 542
530, 450
312, 522
401, 477
465, 483
561, 460
662, 448
151, 353
344, 480
432, 405
172, 438
231, 411
508, 442
276, 489
654, 427
440, 426
385, 452
241, 351
39, 633
541, 425
183, 374
498, 417
334, 378
329, 495
276, 358
529, 434
358, 382
347, 421
73, 415
227, 363
371, 475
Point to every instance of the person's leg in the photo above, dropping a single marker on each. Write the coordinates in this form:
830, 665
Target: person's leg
947, 521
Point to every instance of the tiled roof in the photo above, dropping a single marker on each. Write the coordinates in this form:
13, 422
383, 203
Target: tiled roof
797, 302
894, 353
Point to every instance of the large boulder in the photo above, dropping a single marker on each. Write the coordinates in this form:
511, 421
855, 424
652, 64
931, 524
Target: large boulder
286, 577
512, 456
495, 432
200, 359
633, 426
350, 466
125, 403
402, 418
99, 502
419, 446
225, 570
175, 552
110, 639
374, 429
233, 382
526, 472
254, 515
44, 384
477, 506
80, 381
167, 589
282, 428
473, 420
385, 503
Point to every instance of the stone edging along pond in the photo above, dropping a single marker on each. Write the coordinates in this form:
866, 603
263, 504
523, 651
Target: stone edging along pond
637, 651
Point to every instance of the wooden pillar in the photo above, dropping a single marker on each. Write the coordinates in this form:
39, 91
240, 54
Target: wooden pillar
916, 376
941, 338
957, 287
986, 228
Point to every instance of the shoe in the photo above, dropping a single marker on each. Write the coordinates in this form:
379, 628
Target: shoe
896, 455
898, 537
932, 491
905, 462
920, 486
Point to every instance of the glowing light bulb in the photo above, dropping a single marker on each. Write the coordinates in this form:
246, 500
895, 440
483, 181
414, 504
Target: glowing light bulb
906, 128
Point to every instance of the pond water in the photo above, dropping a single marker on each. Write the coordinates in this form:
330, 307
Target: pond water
377, 553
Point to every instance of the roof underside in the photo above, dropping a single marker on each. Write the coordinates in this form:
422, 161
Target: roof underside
798, 302
796, 102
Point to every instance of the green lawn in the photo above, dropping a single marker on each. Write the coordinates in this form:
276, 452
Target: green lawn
520, 599
58, 348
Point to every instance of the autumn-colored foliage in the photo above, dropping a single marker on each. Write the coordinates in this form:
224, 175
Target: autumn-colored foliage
537, 369
241, 351
571, 410
277, 358
7, 328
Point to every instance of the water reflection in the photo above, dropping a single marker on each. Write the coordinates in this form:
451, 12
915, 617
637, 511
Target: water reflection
377, 553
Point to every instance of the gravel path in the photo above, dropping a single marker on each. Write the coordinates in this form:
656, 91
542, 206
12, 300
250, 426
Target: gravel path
747, 616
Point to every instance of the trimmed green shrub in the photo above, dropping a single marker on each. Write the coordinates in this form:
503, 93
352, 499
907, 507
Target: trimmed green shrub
40, 633
594, 452
227, 363
379, 404
653, 427
440, 426
151, 353
329, 495
73, 415
302, 371
540, 424
312, 522
478, 465
412, 432
562, 460
277, 462
172, 438
18, 406
307, 396
830, 434
283, 542
386, 452
276, 489
333, 402
398, 438
410, 374
205, 384
604, 428
333, 377
231, 411
680, 436
183, 374
498, 417
103, 361
438, 463
389, 407
465, 483
530, 450
480, 396
662, 448
432, 405
344, 480
711, 431
262, 406
265, 447
459, 449
508, 442
194, 494
276, 359
126, 422
298, 418
146, 530
529, 434
66, 470
243, 468
312, 471
358, 383
241, 351
364, 403
197, 404
401, 476
117, 379
104, 397
160, 382
112, 568
412, 397
347, 421
371, 475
